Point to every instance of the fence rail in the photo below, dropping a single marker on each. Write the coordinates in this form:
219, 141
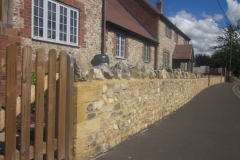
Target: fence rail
51, 137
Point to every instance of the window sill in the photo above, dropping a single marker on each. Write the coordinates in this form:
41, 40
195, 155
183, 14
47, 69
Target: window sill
121, 58
56, 43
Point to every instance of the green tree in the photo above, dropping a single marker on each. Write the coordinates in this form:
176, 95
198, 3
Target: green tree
202, 60
229, 43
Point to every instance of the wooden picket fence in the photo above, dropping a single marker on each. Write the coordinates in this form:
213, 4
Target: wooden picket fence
53, 123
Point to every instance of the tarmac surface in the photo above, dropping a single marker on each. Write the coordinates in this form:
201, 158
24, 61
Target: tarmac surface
207, 128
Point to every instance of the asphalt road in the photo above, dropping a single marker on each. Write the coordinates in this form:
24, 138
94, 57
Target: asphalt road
207, 128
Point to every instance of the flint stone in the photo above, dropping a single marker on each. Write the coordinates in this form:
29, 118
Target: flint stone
152, 75
165, 74
120, 70
177, 73
97, 74
106, 71
159, 74
83, 69
138, 71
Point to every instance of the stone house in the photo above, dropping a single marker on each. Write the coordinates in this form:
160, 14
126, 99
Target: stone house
131, 32
183, 57
140, 24
172, 40
71, 25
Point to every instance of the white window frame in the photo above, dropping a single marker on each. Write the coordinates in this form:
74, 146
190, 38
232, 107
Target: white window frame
147, 53
166, 60
168, 32
45, 23
120, 45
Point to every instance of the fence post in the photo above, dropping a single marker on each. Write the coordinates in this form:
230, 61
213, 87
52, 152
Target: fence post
51, 103
11, 93
62, 106
39, 110
69, 110
26, 102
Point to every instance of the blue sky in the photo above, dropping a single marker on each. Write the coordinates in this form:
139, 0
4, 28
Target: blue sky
201, 20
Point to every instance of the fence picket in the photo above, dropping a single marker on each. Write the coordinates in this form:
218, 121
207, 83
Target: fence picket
11, 93
39, 108
51, 104
69, 111
26, 102
62, 106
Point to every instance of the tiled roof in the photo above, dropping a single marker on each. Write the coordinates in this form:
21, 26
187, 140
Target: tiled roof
183, 51
118, 15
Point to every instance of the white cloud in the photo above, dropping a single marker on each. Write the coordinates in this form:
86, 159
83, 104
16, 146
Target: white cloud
203, 32
233, 11
216, 17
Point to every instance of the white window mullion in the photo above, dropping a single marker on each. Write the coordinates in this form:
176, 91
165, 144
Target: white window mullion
57, 22
68, 26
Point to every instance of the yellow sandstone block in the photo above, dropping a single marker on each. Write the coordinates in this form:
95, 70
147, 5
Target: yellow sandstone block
85, 128
87, 93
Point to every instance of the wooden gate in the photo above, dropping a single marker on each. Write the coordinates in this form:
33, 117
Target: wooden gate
49, 101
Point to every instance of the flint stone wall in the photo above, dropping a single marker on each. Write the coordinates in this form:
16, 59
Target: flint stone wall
109, 112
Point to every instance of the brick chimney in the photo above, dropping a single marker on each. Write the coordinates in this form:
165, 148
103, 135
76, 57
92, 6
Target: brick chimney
159, 5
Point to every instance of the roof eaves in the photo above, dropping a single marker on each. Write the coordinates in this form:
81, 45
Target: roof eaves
134, 33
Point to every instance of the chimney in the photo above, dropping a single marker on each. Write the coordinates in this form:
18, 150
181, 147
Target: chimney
159, 5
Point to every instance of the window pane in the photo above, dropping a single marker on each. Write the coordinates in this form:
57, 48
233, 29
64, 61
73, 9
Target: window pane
49, 25
40, 32
75, 15
65, 37
49, 6
71, 15
35, 21
75, 39
60, 36
36, 31
35, 11
41, 3
35, 2
75, 31
65, 11
65, 28
71, 38
54, 7
71, 22
49, 15
75, 23
61, 28
53, 25
61, 10
49, 33
53, 35
71, 30
61, 19
54, 16
40, 12
65, 20
40, 22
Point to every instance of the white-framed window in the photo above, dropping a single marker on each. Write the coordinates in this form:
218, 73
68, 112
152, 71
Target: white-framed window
54, 22
168, 32
120, 46
146, 53
166, 60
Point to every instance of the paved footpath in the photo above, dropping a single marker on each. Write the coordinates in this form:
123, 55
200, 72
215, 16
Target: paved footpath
207, 128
